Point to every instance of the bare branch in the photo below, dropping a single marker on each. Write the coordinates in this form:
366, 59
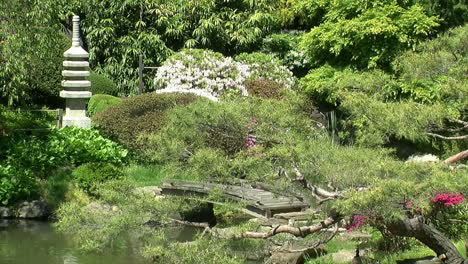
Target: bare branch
296, 231
461, 122
447, 138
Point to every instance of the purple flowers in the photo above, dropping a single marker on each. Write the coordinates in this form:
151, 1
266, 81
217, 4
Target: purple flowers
448, 199
250, 142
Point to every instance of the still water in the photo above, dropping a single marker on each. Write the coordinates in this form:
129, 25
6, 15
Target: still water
35, 242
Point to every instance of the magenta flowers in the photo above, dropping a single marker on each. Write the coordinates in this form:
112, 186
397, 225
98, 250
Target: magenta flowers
356, 222
448, 199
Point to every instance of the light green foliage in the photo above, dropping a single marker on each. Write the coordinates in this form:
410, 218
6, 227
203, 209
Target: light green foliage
31, 48
100, 84
214, 251
99, 102
145, 175
368, 35
429, 87
437, 71
375, 122
263, 66
88, 176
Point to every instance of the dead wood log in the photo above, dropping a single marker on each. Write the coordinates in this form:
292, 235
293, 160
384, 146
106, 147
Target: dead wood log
457, 157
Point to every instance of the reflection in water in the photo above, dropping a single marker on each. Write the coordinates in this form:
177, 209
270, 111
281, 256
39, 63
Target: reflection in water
36, 242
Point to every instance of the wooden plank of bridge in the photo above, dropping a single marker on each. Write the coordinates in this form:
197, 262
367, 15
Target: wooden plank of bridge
258, 201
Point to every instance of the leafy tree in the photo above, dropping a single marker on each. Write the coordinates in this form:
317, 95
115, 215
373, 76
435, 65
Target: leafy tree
367, 34
31, 48
117, 33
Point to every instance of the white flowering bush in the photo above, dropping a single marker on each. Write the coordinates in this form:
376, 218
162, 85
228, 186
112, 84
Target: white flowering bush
202, 72
264, 66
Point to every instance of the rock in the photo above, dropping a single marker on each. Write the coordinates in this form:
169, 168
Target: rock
33, 210
153, 191
5, 212
425, 260
427, 158
295, 257
346, 256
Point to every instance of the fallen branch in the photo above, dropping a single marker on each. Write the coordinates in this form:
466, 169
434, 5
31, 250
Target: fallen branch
457, 157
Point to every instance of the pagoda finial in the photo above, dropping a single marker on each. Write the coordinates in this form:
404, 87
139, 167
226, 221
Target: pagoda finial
76, 32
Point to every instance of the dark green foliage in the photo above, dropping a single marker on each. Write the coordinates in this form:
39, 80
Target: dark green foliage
138, 115
30, 65
264, 89
16, 184
99, 102
14, 121
88, 176
117, 34
452, 12
286, 47
100, 84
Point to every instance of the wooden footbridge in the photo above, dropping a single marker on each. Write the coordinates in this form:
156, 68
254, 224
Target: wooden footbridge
259, 203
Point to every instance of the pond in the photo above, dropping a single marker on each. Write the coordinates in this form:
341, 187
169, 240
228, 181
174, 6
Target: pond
27, 242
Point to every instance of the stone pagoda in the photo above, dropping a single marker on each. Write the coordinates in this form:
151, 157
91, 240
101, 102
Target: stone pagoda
76, 83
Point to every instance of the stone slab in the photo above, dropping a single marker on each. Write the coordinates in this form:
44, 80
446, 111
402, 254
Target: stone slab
78, 64
82, 122
76, 84
75, 94
75, 73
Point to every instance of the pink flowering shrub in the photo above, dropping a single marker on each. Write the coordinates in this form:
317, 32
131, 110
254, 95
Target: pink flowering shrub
356, 223
448, 199
251, 140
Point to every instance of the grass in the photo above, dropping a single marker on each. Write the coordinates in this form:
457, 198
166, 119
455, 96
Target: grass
141, 175
415, 252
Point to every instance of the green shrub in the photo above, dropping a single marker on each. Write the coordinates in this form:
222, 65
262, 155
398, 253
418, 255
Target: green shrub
68, 146
99, 102
286, 48
88, 176
138, 115
100, 84
16, 184
264, 89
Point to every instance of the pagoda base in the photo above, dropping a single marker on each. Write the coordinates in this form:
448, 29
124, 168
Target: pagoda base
81, 122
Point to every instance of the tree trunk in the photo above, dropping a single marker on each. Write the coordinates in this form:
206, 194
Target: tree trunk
430, 237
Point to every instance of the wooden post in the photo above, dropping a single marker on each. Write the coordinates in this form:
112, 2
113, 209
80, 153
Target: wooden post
140, 75
59, 118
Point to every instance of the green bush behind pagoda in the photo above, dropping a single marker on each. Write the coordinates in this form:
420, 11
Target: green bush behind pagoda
146, 113
99, 102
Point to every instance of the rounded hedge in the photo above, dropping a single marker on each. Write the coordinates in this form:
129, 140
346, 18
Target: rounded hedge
126, 121
100, 84
99, 102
